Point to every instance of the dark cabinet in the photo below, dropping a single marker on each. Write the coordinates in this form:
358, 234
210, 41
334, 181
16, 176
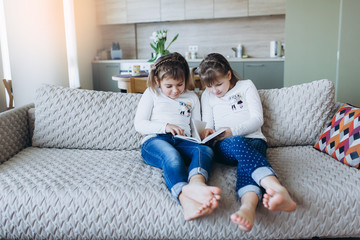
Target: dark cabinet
265, 75
102, 76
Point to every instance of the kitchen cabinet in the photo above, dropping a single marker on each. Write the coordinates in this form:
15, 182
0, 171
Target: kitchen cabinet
193, 64
266, 7
230, 8
172, 10
238, 67
140, 11
111, 11
265, 74
102, 76
143, 11
200, 9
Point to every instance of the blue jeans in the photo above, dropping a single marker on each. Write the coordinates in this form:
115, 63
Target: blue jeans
179, 160
249, 155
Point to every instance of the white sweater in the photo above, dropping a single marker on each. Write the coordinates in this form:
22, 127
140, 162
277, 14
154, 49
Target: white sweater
240, 110
155, 110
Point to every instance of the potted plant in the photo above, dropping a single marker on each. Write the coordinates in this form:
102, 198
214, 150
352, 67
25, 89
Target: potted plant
159, 39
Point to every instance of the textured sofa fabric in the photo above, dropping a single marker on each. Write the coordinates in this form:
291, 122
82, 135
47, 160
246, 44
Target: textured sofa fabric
84, 119
295, 115
68, 193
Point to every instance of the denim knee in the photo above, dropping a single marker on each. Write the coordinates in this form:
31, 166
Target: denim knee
201, 162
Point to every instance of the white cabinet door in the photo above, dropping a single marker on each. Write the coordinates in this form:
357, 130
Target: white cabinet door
230, 8
199, 9
111, 11
143, 11
172, 10
266, 7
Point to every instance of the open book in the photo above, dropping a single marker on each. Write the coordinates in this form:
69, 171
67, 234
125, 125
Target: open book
196, 128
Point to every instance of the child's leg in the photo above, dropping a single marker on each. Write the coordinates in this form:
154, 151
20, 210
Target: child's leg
188, 198
200, 158
160, 152
251, 157
277, 197
247, 190
249, 194
245, 216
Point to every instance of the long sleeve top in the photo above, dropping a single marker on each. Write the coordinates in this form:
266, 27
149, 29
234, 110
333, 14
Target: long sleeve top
239, 109
155, 111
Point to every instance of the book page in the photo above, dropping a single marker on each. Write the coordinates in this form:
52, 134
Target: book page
191, 139
215, 134
196, 128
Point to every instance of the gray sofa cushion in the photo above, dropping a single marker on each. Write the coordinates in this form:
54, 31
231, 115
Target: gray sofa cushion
296, 115
84, 194
84, 119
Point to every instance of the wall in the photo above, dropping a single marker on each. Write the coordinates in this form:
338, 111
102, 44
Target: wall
2, 88
348, 87
216, 35
311, 40
36, 39
88, 39
125, 34
315, 37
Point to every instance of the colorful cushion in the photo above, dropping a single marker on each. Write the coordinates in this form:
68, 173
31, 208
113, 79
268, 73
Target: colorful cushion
341, 139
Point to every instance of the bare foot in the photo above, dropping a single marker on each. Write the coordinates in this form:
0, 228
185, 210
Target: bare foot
202, 193
193, 209
213, 203
244, 218
278, 200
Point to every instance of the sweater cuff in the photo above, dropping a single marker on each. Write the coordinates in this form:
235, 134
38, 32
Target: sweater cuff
235, 131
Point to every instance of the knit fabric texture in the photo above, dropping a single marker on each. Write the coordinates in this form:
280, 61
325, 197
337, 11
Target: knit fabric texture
85, 119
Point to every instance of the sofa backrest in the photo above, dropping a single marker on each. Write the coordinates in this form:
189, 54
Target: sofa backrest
85, 119
296, 115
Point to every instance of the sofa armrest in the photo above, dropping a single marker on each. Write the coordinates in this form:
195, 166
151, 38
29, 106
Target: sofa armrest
14, 131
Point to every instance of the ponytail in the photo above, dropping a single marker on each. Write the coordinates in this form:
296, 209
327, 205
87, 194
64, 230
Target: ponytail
151, 81
192, 84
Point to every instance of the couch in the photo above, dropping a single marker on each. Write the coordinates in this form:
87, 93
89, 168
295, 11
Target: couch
71, 168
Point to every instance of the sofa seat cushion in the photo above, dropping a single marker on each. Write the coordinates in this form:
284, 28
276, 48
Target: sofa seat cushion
66, 193
85, 119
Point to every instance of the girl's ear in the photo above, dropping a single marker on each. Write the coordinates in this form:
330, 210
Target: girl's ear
229, 74
157, 81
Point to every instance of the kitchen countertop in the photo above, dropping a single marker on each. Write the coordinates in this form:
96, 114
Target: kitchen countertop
194, 60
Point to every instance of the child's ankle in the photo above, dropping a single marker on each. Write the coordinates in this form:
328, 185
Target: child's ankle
197, 179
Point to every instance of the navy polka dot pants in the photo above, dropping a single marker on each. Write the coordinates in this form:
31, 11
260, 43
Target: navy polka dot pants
249, 155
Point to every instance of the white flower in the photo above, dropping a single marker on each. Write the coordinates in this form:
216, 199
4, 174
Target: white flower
158, 44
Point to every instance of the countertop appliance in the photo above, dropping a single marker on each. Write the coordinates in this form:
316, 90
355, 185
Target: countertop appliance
275, 49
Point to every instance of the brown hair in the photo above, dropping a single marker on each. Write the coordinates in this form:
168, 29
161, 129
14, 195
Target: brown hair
214, 66
172, 65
